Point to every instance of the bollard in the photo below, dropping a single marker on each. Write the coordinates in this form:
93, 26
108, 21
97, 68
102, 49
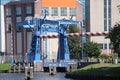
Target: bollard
26, 72
52, 69
115, 61
31, 73
10, 66
14, 68
19, 70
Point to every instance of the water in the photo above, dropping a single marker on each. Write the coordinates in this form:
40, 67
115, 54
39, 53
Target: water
37, 76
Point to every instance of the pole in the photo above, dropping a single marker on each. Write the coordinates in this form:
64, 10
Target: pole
82, 41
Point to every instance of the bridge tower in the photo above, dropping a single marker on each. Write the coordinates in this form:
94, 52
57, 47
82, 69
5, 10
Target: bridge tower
38, 27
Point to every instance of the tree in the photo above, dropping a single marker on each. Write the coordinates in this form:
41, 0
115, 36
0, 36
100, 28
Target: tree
114, 36
74, 43
91, 49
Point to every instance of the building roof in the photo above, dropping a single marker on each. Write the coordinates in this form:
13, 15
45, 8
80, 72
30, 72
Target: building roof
61, 3
20, 1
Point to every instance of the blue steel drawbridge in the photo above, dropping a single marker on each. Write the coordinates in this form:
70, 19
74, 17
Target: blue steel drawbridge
40, 26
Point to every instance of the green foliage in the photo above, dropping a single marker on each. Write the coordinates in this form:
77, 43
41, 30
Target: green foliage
74, 43
108, 56
91, 49
114, 35
102, 69
115, 56
104, 56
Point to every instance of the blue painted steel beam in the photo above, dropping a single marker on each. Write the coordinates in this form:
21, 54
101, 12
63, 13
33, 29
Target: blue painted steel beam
66, 22
25, 23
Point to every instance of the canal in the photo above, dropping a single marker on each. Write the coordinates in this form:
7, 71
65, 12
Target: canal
37, 76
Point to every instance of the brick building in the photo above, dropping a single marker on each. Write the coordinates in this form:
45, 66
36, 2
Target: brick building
17, 40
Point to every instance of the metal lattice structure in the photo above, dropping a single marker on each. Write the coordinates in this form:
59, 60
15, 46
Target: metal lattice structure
40, 26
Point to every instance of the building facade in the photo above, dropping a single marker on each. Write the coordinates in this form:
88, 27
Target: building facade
83, 8
101, 15
119, 10
2, 29
18, 39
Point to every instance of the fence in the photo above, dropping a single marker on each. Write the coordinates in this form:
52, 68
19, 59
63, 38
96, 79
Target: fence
4, 58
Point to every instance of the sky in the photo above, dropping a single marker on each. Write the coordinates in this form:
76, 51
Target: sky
4, 1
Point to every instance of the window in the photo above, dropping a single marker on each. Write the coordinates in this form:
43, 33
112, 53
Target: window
29, 9
105, 15
100, 46
105, 46
47, 10
73, 11
18, 11
109, 2
119, 10
105, 2
105, 25
18, 19
54, 11
8, 12
109, 8
8, 24
109, 24
105, 12
63, 11
110, 46
109, 14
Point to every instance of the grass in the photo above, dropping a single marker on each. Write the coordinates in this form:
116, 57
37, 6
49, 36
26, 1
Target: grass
4, 66
103, 69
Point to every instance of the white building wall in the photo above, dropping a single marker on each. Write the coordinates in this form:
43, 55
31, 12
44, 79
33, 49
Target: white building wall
97, 19
2, 25
2, 29
115, 12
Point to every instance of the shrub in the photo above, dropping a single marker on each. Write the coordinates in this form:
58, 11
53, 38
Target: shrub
103, 56
115, 56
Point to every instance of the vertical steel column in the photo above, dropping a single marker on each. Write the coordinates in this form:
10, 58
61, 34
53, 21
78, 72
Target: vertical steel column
37, 51
63, 51
34, 52
58, 56
46, 45
66, 49
81, 24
